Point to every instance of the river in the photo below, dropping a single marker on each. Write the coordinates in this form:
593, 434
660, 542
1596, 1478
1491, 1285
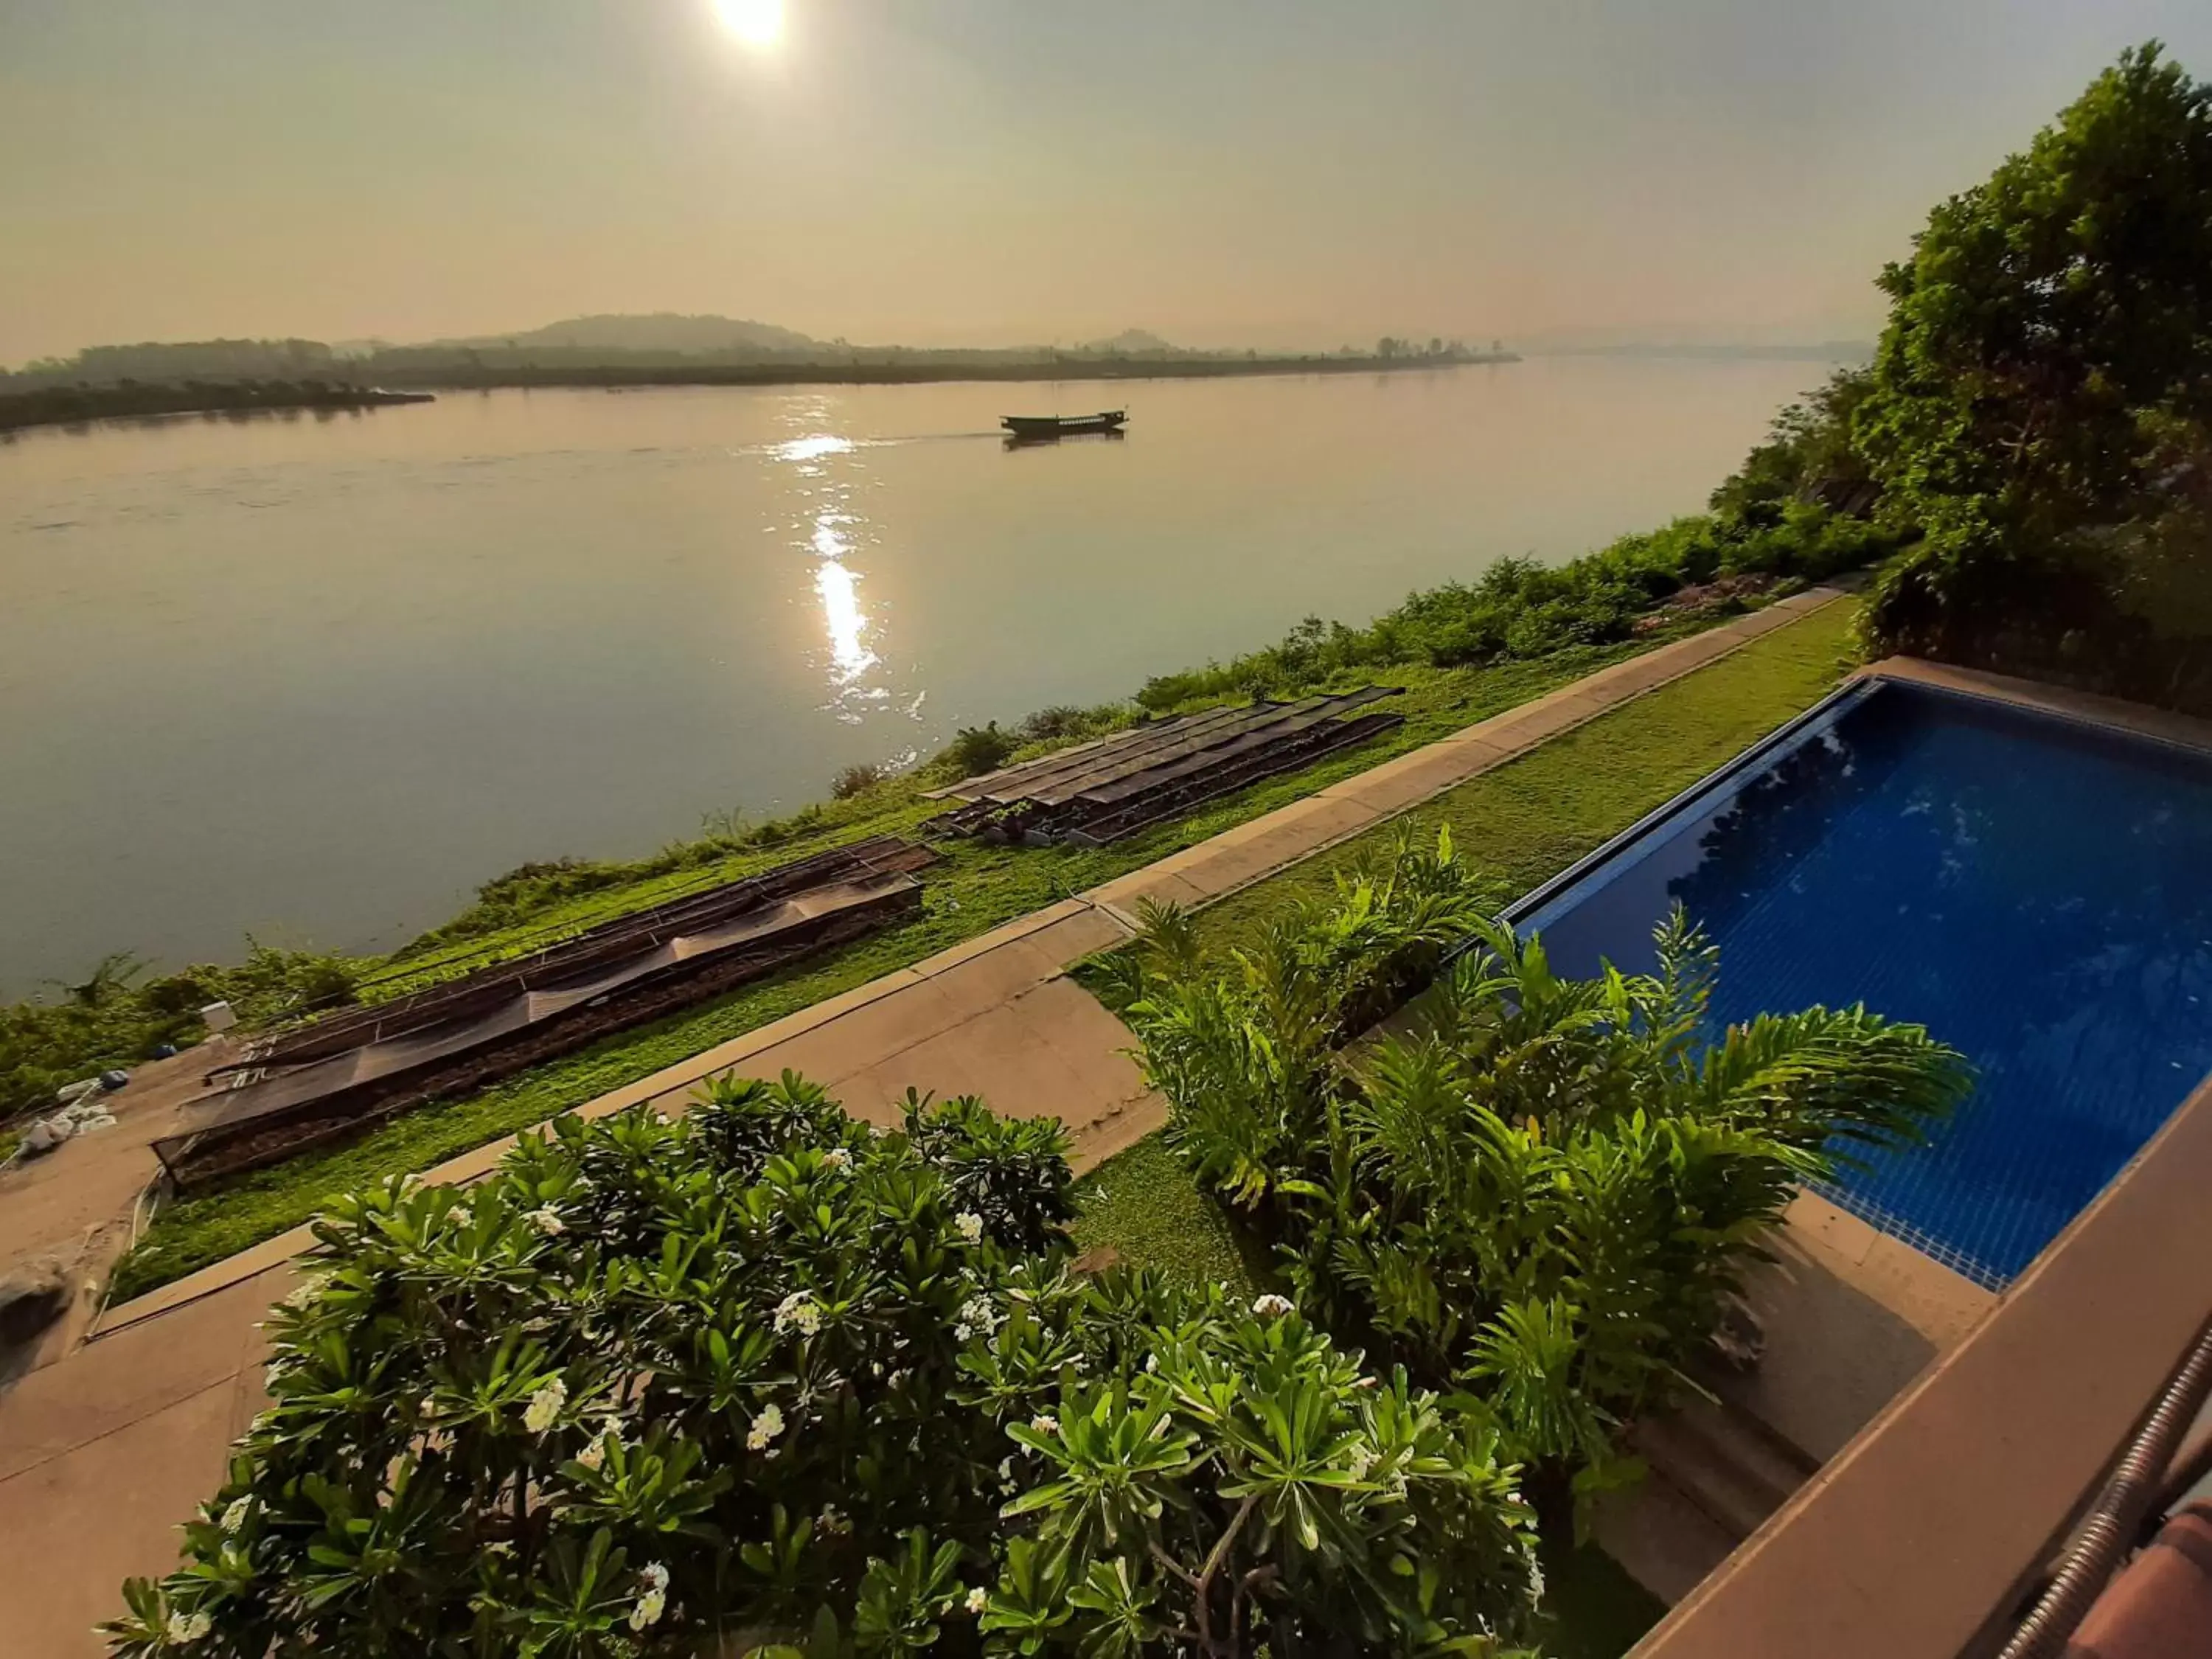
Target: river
315, 678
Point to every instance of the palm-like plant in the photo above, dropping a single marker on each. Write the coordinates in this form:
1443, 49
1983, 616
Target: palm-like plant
1248, 1054
1549, 1188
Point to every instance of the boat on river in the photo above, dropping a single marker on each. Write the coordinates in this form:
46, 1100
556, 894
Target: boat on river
1043, 428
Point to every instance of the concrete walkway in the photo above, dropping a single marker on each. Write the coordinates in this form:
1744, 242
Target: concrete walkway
109, 1445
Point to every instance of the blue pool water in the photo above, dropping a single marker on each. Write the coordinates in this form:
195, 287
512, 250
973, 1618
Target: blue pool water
2038, 893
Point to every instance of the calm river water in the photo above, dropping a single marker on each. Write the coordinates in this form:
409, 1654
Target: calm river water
314, 679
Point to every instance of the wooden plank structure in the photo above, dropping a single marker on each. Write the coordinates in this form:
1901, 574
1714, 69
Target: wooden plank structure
334, 1078
1102, 791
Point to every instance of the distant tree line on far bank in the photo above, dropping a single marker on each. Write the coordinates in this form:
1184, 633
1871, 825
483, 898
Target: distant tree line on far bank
64, 405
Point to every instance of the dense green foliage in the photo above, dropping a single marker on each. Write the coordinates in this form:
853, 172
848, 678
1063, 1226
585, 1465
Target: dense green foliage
2041, 407
113, 1017
764, 1371
1544, 1189
1520, 609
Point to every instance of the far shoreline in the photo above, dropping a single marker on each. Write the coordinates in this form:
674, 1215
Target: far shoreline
87, 405
469, 377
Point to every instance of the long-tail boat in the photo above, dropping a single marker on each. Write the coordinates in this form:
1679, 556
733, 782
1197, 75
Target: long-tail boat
1036, 429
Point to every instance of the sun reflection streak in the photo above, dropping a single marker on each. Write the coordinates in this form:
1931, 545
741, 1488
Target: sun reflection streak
814, 448
832, 534
840, 590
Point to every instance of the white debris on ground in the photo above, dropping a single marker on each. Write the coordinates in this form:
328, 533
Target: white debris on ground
84, 1109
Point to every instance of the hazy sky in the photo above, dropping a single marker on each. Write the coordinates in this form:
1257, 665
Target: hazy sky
1223, 171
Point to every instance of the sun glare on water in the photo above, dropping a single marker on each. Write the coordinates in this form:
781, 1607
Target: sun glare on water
755, 23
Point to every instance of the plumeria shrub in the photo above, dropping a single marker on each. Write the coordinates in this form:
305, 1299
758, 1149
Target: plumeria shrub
1541, 1189
761, 1378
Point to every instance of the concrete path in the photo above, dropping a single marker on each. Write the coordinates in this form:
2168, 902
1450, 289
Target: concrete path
139, 1417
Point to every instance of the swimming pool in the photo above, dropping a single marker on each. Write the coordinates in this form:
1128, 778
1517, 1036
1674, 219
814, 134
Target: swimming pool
2036, 891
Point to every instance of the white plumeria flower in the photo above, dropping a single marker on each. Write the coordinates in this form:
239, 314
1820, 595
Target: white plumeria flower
1006, 1468
766, 1427
235, 1516
547, 1221
459, 1215
970, 1225
978, 1598
184, 1629
962, 1332
838, 1157
650, 1606
1045, 1423
544, 1408
655, 1575
798, 1310
1152, 1362
1272, 1306
1360, 1463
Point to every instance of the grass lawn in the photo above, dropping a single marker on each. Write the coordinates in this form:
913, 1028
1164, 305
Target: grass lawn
1144, 1206
976, 889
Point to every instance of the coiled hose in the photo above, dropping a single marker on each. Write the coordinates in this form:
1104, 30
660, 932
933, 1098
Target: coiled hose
2112, 1525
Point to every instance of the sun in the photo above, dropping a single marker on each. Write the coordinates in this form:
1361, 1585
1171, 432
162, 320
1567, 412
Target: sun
755, 23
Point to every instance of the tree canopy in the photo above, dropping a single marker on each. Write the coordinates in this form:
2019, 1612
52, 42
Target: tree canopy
2043, 387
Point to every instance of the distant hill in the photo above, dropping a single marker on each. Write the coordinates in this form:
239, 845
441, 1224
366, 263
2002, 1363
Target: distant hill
661, 330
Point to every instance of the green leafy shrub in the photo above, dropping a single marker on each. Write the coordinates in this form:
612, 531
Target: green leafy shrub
858, 779
1064, 723
978, 749
114, 1017
1544, 1189
763, 1374
1518, 609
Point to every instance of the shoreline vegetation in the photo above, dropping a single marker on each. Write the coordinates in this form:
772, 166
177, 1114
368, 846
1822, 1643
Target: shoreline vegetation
79, 405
